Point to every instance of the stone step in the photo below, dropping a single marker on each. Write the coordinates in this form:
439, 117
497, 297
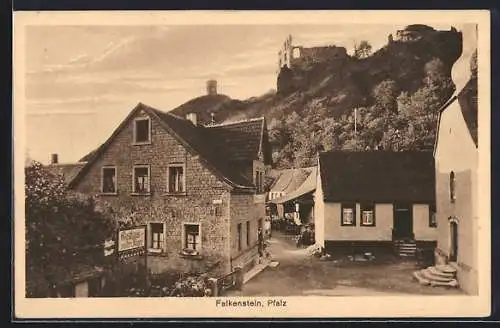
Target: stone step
432, 277
446, 268
421, 280
452, 284
406, 255
437, 272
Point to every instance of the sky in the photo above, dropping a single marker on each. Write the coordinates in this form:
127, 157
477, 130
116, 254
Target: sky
82, 81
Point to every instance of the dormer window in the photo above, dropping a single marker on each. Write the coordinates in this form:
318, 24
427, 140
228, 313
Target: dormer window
142, 130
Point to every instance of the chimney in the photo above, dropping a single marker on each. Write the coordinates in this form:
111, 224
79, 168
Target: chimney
54, 159
192, 117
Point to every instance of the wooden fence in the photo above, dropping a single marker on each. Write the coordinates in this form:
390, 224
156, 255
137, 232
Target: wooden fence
232, 280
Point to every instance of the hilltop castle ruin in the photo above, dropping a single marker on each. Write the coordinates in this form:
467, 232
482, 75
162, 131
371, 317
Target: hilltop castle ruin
291, 55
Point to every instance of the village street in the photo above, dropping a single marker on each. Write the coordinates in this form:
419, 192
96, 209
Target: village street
299, 274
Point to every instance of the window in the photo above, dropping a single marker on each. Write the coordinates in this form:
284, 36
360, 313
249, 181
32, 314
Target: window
348, 215
108, 182
176, 181
141, 179
239, 236
248, 233
432, 216
157, 236
192, 236
452, 187
367, 215
259, 181
142, 130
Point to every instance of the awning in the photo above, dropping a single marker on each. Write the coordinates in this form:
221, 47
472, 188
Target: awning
309, 185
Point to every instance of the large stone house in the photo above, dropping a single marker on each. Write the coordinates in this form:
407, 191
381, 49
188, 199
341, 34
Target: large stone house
198, 189
375, 201
456, 156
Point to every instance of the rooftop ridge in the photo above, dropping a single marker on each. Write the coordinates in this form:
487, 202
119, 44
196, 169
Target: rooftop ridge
66, 164
261, 118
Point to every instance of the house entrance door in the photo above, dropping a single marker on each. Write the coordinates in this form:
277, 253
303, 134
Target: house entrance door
403, 221
453, 241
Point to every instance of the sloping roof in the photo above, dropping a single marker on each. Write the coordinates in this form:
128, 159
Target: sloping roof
68, 171
378, 176
241, 139
307, 186
467, 99
289, 180
203, 141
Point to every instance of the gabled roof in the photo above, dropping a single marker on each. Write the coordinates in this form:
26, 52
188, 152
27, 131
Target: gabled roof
308, 185
377, 176
68, 171
243, 139
289, 180
199, 140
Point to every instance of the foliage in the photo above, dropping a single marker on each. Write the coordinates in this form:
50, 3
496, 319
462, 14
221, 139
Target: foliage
63, 231
362, 50
395, 119
192, 286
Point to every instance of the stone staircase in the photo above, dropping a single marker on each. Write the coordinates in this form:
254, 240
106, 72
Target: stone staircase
439, 275
405, 248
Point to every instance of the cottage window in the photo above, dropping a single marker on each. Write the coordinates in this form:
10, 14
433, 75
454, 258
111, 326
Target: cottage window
367, 215
141, 179
192, 236
157, 236
142, 130
453, 196
176, 182
239, 236
348, 214
432, 216
108, 181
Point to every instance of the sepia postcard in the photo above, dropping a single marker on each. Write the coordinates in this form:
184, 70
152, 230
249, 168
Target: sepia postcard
252, 164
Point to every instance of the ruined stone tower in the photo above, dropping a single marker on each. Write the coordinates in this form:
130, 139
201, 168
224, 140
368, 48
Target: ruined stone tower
211, 87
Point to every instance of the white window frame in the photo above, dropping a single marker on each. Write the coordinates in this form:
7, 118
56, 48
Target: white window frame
183, 166
151, 247
200, 240
134, 192
348, 206
102, 179
363, 209
135, 142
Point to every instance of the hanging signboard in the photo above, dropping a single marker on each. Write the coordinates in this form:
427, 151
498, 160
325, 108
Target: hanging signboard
132, 241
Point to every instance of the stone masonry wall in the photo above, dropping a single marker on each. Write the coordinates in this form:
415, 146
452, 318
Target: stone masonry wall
195, 206
245, 208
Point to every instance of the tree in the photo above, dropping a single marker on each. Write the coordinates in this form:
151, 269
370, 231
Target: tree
64, 231
362, 50
385, 94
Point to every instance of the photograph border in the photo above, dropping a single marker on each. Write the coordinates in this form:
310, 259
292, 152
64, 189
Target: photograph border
434, 306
